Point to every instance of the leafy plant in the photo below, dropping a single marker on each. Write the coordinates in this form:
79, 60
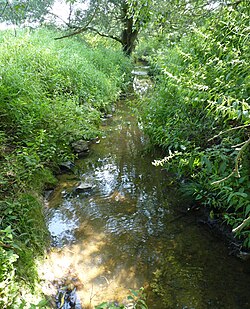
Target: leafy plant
199, 113
8, 257
52, 93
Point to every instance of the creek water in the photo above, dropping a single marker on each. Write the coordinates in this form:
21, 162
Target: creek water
127, 231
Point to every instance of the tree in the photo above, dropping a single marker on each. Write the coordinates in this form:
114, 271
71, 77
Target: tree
123, 20
18, 12
120, 20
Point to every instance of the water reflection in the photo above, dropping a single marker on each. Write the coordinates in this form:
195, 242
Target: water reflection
119, 201
112, 231
116, 235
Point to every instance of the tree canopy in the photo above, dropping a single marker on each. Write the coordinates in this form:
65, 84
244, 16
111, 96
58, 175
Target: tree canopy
120, 20
21, 11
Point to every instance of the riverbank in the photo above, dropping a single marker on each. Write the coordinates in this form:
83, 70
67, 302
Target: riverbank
199, 114
53, 94
130, 230
115, 222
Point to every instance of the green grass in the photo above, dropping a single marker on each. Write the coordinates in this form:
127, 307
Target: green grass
52, 93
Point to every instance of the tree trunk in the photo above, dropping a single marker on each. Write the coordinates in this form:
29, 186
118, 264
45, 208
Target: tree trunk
129, 33
129, 36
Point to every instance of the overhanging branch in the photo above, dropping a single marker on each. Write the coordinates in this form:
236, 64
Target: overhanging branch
66, 23
105, 35
242, 225
91, 29
88, 27
236, 168
229, 130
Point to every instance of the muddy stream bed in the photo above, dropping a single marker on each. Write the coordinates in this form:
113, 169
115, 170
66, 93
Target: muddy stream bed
124, 231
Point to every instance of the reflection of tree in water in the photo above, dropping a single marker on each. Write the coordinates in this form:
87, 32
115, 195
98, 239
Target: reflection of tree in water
126, 228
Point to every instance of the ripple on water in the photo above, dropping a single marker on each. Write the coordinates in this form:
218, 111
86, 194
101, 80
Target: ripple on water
116, 235
62, 223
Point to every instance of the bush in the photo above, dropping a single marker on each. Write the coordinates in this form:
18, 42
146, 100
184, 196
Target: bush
53, 93
199, 113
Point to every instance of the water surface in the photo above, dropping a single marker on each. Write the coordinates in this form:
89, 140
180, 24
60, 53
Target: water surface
126, 232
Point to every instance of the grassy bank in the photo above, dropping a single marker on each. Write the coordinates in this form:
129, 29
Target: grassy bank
199, 112
52, 93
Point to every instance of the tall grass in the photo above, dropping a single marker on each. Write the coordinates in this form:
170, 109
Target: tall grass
52, 93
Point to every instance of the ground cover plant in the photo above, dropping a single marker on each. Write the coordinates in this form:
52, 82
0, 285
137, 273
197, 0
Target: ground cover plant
52, 93
199, 112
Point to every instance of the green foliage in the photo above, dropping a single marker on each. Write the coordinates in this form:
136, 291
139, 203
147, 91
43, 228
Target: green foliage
42, 304
23, 238
52, 93
203, 89
138, 298
19, 11
8, 257
26, 218
108, 305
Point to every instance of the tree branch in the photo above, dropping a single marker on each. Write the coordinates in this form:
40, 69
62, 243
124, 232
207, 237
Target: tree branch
242, 225
80, 30
229, 130
236, 168
224, 179
55, 15
71, 34
91, 29
105, 35
70, 13
3, 245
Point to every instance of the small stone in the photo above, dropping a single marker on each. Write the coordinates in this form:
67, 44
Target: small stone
80, 146
84, 186
244, 255
67, 166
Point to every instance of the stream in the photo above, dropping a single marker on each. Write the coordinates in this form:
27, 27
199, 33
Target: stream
127, 230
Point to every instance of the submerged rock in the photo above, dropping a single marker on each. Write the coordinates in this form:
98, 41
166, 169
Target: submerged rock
83, 186
66, 167
109, 116
67, 299
80, 147
244, 255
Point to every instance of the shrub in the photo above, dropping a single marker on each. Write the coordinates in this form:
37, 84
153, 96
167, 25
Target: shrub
199, 113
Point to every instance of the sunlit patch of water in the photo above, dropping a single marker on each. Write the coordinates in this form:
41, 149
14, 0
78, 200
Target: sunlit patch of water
141, 82
126, 232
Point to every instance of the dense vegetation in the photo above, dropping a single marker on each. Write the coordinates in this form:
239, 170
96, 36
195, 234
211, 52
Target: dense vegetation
199, 112
52, 93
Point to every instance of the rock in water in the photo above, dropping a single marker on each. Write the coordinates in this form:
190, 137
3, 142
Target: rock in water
80, 146
67, 167
84, 186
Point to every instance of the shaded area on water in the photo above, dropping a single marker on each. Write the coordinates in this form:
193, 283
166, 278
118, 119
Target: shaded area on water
115, 235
